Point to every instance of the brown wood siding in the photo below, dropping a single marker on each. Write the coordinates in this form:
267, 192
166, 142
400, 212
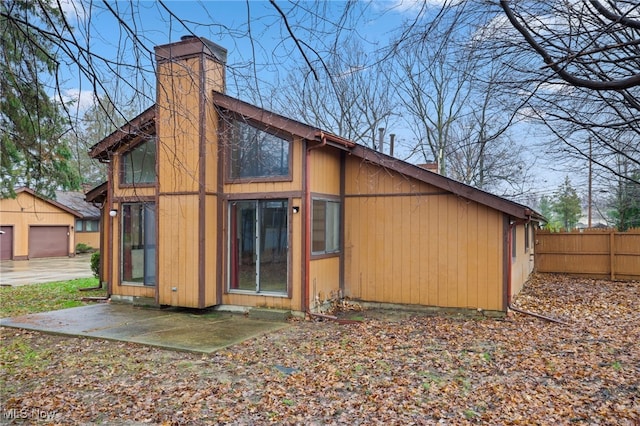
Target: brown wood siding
92, 239
178, 113
26, 210
435, 250
522, 265
213, 232
249, 300
589, 253
324, 284
178, 250
325, 171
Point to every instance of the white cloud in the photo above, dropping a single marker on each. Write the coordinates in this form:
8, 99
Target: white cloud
416, 6
74, 10
79, 100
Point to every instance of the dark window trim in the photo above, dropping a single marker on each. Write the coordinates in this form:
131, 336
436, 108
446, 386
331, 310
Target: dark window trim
228, 245
327, 254
225, 135
121, 171
84, 222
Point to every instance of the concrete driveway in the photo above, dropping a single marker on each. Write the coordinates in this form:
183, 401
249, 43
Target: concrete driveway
37, 271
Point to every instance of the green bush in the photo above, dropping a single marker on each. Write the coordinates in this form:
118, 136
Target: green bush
84, 248
95, 264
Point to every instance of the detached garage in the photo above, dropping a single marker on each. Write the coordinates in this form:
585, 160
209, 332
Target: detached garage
36, 227
48, 241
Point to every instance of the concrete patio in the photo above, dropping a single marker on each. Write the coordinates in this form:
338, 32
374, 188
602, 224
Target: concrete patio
175, 329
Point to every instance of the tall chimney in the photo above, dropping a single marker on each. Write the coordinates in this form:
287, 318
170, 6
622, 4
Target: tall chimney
187, 73
381, 139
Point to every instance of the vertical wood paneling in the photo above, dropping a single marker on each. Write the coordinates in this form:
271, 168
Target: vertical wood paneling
178, 247
437, 250
178, 151
213, 232
323, 280
589, 253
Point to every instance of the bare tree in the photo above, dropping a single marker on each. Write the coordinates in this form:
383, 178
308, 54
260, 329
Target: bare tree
433, 92
351, 98
589, 81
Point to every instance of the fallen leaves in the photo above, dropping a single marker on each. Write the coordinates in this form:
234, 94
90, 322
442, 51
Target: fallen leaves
416, 370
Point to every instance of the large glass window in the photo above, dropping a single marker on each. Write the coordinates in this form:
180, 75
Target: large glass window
139, 243
258, 246
139, 164
256, 153
325, 235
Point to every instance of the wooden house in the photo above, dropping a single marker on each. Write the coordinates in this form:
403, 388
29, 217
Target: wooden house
212, 201
32, 226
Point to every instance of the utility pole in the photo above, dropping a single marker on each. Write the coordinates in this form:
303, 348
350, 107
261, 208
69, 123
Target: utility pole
589, 196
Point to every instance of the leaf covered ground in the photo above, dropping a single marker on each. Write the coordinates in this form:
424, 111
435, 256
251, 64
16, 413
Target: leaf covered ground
408, 369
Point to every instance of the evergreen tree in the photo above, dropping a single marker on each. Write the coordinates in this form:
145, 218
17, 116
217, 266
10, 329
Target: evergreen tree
546, 209
32, 152
625, 211
567, 205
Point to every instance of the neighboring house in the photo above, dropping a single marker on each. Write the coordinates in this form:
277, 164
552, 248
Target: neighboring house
87, 227
212, 201
33, 226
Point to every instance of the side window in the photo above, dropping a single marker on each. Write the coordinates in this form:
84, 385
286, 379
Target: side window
255, 153
139, 164
86, 225
325, 234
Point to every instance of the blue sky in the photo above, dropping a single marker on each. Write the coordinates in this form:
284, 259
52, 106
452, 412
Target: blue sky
253, 33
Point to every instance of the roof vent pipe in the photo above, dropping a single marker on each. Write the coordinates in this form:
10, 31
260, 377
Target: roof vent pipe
381, 139
392, 140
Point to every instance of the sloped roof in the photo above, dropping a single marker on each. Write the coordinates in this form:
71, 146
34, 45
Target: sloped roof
75, 200
59, 204
144, 121
142, 125
305, 131
97, 194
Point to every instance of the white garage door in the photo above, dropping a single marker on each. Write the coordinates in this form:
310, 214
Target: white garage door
48, 241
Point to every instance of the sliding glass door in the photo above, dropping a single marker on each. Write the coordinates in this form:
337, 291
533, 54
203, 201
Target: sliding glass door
258, 245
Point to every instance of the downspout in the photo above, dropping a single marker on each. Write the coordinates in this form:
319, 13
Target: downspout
307, 219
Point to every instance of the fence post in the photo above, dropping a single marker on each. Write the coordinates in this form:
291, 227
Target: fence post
612, 256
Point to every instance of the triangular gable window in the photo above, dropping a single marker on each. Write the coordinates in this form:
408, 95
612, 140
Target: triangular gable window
139, 164
257, 154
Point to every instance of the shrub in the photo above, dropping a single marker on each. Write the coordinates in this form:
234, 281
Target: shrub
95, 264
84, 248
